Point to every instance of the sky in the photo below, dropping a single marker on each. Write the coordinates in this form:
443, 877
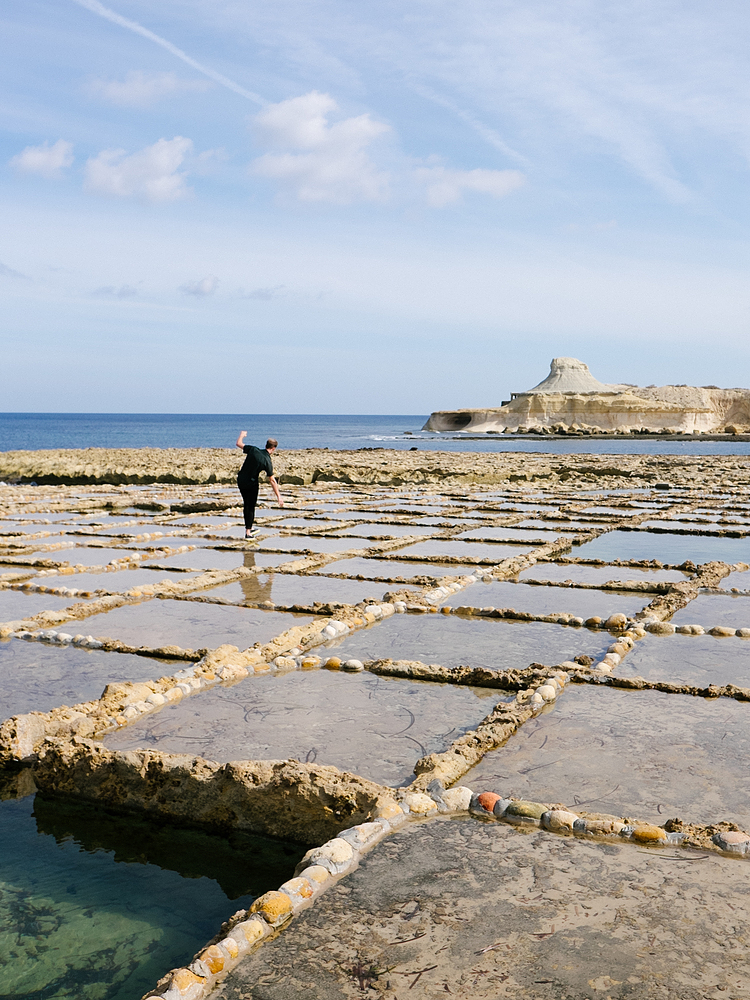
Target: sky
333, 207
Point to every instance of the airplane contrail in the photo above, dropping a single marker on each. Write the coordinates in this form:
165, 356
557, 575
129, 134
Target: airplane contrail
487, 133
98, 8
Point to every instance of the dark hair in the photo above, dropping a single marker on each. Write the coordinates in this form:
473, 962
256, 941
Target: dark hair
271, 443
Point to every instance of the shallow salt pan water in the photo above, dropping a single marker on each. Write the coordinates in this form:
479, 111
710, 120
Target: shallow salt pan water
453, 641
11, 528
393, 530
95, 907
512, 534
689, 659
206, 558
715, 609
88, 555
549, 600
394, 568
476, 550
35, 677
740, 580
641, 754
301, 543
17, 604
599, 574
376, 727
190, 624
175, 541
287, 589
668, 548
116, 581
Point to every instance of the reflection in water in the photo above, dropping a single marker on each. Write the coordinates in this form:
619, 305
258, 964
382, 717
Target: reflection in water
255, 589
95, 906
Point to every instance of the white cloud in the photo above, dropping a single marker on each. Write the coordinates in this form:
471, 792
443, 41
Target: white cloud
206, 286
319, 161
139, 90
151, 174
45, 160
445, 187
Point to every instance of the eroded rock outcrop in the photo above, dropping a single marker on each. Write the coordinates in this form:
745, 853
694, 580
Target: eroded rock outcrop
283, 798
571, 399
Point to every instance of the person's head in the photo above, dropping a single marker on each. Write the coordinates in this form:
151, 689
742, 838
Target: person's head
272, 444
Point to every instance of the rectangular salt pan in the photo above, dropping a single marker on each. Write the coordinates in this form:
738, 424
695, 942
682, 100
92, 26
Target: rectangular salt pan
288, 589
190, 624
516, 534
452, 641
673, 549
580, 572
17, 604
205, 559
690, 659
372, 726
393, 530
548, 600
715, 609
491, 553
302, 543
36, 677
393, 568
89, 555
639, 754
116, 581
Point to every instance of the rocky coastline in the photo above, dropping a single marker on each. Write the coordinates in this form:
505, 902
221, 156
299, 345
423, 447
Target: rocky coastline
366, 466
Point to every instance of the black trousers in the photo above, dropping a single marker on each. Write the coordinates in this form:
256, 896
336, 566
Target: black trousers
249, 490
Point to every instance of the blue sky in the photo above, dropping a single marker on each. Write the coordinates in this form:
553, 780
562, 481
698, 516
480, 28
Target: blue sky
220, 206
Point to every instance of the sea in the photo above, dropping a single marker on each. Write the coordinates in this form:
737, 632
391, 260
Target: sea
33, 431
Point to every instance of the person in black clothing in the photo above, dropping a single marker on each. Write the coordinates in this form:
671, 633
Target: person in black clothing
257, 460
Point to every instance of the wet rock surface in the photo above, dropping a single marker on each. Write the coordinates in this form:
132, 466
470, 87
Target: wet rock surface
464, 909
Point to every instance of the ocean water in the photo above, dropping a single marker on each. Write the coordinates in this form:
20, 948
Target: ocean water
33, 431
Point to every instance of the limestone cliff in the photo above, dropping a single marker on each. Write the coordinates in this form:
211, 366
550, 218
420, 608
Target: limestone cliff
571, 399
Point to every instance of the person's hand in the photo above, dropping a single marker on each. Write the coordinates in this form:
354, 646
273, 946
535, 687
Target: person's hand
243, 434
281, 503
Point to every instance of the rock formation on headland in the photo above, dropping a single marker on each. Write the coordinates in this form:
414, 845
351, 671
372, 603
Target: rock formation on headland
570, 399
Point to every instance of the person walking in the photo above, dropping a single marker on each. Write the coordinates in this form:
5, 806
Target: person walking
257, 460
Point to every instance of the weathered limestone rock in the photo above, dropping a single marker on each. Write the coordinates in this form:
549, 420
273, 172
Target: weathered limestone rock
305, 802
570, 399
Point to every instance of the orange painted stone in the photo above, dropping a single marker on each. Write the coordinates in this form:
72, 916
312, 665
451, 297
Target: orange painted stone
487, 800
648, 833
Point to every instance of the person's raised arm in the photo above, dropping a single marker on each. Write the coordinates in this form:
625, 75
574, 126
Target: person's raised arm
275, 488
241, 439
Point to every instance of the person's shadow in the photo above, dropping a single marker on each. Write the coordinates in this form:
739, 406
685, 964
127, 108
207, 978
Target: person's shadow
254, 591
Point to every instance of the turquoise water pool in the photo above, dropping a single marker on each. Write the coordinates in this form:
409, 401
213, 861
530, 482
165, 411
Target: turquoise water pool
96, 906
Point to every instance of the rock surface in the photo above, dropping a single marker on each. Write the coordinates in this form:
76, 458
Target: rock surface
119, 466
466, 909
306, 802
570, 399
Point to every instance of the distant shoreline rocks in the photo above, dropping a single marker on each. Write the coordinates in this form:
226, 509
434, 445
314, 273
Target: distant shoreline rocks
571, 401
